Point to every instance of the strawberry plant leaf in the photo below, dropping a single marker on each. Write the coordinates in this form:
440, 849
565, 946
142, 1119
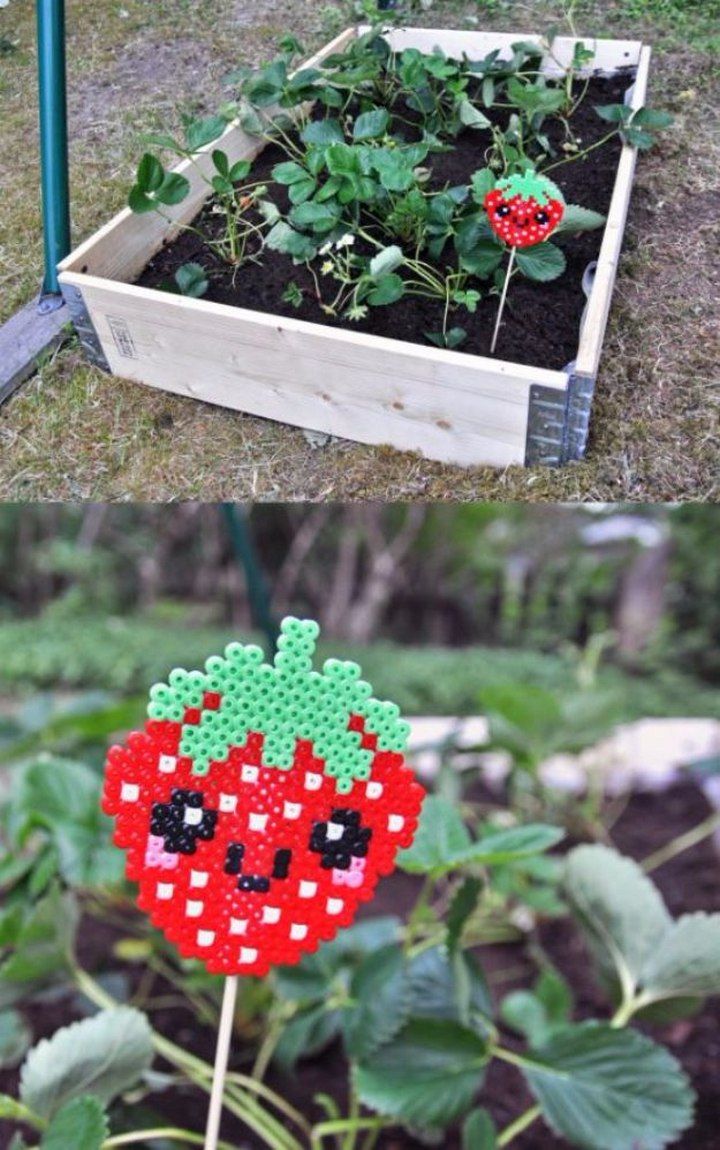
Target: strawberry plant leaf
388, 289
102, 1056
448, 339
620, 910
554, 993
483, 181
609, 1089
323, 133
653, 119
464, 902
15, 1038
80, 1123
579, 219
61, 798
440, 837
306, 1034
321, 218
371, 125
450, 987
472, 117
643, 141
200, 133
192, 280
442, 842
149, 174
686, 961
289, 173
380, 1002
523, 1012
311, 979
497, 847
173, 189
542, 263
43, 950
386, 261
283, 238
482, 259
615, 113
479, 1132
427, 1076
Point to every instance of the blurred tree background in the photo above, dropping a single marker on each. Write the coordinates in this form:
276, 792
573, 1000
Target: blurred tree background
437, 601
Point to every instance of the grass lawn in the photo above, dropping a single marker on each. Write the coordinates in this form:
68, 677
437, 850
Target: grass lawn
75, 433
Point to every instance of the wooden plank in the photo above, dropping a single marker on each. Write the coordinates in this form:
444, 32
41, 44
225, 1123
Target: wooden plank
457, 408
123, 247
609, 54
26, 338
598, 307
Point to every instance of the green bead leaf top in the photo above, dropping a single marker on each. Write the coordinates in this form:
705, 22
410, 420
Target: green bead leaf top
530, 185
284, 702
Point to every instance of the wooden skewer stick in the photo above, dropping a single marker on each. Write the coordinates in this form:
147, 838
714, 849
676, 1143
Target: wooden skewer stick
503, 298
222, 1054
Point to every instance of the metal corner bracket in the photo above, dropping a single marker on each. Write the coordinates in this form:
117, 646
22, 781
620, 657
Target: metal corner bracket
84, 327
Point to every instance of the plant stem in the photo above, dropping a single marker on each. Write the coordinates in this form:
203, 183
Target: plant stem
581, 155
343, 1125
682, 843
517, 1127
350, 1140
161, 1132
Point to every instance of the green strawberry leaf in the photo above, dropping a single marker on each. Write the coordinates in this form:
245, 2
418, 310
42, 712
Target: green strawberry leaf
608, 1089
427, 1076
81, 1123
542, 263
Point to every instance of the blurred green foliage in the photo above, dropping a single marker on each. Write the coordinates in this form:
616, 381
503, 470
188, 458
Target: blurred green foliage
128, 654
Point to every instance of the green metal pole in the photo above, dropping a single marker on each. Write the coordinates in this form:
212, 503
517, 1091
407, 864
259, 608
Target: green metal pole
55, 182
244, 548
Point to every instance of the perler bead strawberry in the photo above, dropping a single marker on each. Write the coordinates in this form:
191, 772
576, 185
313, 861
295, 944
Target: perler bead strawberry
524, 209
260, 804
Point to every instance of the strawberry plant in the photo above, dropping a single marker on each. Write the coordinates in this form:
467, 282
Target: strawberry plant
350, 187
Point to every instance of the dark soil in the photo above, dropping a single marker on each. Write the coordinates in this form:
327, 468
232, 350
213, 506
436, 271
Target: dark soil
690, 882
542, 321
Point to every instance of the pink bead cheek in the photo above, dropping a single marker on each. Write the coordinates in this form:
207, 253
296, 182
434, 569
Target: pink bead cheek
156, 855
353, 877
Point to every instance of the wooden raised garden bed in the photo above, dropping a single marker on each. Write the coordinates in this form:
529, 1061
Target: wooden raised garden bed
454, 406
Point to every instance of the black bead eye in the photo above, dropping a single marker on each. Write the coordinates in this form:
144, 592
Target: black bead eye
340, 839
502, 210
542, 218
182, 821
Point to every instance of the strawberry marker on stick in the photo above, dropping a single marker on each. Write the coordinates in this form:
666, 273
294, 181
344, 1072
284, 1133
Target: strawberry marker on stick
523, 210
258, 809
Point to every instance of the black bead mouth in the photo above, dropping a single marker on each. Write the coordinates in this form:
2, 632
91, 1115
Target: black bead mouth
256, 883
